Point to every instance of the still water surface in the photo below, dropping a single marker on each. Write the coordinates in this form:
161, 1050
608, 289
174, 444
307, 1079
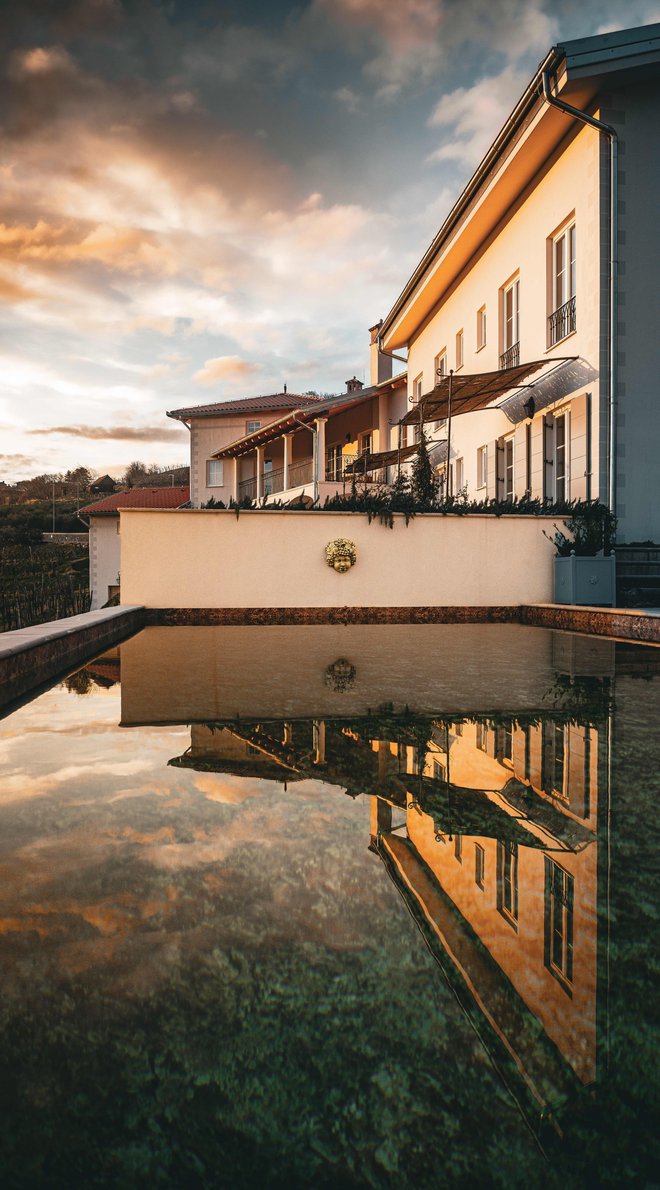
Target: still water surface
333, 907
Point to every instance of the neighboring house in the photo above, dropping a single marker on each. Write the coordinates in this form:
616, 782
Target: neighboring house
104, 538
214, 425
315, 450
105, 485
523, 273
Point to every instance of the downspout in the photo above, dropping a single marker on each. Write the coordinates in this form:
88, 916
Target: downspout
612, 135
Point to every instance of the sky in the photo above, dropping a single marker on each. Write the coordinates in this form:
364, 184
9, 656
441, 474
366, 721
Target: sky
206, 199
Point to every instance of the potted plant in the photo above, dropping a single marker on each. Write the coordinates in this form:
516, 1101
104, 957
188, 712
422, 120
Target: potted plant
585, 565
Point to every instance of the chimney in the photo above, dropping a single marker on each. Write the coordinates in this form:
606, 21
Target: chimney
354, 385
381, 364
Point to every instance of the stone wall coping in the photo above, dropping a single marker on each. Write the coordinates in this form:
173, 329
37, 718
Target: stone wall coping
341, 512
21, 639
638, 612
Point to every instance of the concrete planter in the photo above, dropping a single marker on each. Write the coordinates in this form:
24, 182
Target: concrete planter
590, 581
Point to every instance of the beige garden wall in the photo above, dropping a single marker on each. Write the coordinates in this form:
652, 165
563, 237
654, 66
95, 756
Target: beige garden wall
203, 558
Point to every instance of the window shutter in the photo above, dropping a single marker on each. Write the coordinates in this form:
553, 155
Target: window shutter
538, 443
492, 470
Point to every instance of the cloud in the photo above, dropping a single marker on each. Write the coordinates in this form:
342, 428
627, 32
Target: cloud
473, 116
13, 291
115, 433
224, 367
348, 98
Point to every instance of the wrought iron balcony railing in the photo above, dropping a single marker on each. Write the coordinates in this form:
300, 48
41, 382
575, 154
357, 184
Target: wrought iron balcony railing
511, 357
562, 322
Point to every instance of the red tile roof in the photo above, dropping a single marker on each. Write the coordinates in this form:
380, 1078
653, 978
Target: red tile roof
245, 405
171, 497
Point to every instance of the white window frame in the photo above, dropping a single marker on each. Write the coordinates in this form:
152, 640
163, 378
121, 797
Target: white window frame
218, 466
251, 427
440, 365
459, 473
511, 323
509, 470
365, 442
460, 349
418, 390
564, 416
482, 466
564, 279
481, 328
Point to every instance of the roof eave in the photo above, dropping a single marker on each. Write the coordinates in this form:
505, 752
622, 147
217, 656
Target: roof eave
514, 122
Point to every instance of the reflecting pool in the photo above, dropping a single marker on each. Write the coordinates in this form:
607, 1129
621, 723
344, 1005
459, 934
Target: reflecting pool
333, 906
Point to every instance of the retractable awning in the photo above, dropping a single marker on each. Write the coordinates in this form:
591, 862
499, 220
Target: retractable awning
458, 393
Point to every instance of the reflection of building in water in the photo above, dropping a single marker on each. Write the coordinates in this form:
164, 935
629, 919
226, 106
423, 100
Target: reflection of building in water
499, 865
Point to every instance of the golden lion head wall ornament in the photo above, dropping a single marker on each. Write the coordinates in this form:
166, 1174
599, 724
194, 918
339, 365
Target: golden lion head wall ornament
341, 554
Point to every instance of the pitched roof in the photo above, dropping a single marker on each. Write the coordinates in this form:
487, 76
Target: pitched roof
245, 405
172, 497
319, 407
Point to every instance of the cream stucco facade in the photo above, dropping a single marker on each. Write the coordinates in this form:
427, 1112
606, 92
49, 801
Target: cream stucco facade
209, 558
564, 195
566, 210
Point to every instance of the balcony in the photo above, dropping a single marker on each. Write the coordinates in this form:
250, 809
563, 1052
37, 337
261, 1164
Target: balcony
511, 357
272, 481
300, 473
562, 322
247, 489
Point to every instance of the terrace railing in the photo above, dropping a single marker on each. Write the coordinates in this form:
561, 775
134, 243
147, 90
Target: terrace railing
300, 473
511, 357
247, 488
273, 481
562, 322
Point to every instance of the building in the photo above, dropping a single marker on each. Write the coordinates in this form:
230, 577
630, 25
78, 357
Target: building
104, 537
551, 254
314, 451
104, 485
214, 425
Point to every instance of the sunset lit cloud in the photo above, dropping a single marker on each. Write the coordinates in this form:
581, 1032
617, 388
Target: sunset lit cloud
242, 190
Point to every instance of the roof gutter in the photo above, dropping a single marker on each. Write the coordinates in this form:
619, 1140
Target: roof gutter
612, 388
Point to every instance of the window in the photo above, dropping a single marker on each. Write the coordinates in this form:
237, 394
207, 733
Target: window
479, 865
214, 473
507, 464
481, 327
482, 466
459, 473
438, 771
458, 848
364, 443
251, 427
558, 923
510, 325
563, 255
481, 737
459, 350
334, 470
561, 457
417, 389
507, 881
